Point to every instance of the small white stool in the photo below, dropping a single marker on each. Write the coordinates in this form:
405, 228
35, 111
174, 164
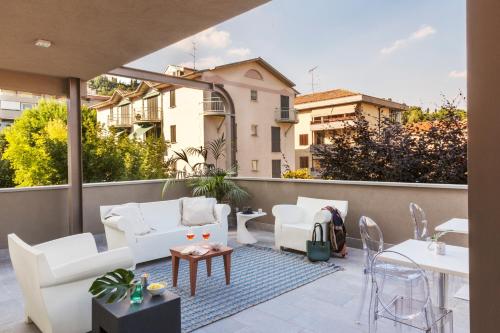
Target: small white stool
242, 234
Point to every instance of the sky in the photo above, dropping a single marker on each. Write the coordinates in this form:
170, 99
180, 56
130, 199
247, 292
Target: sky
410, 51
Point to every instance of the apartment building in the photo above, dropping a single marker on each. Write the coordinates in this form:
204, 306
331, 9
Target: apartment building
264, 115
321, 114
13, 103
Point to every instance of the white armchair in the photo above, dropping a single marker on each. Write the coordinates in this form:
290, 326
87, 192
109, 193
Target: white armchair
55, 277
293, 224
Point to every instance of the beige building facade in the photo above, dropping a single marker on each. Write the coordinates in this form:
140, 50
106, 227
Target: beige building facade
264, 115
322, 114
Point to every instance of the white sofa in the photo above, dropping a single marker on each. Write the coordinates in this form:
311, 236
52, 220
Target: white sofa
164, 217
55, 278
293, 224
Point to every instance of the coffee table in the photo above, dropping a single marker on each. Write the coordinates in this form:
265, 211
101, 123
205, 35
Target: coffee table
225, 252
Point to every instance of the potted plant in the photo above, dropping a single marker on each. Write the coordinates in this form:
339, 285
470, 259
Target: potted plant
436, 245
114, 286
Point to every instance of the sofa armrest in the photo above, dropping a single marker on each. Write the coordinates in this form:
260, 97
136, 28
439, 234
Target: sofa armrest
117, 222
291, 214
221, 212
322, 216
89, 267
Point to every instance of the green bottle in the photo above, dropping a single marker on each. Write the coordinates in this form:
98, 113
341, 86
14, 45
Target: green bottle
136, 296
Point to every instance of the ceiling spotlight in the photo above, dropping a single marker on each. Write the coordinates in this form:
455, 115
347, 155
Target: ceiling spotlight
43, 43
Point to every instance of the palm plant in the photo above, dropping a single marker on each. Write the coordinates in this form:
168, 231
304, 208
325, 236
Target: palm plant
215, 184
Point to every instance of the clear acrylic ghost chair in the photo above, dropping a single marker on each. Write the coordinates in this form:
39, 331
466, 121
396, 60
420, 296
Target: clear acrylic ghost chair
373, 243
419, 222
392, 303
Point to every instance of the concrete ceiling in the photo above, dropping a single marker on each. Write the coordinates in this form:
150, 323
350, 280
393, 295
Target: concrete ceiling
92, 37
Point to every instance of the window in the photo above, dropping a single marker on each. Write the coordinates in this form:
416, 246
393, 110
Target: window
276, 168
173, 134
303, 162
255, 164
25, 106
275, 139
10, 105
303, 139
253, 95
254, 130
172, 98
395, 116
320, 138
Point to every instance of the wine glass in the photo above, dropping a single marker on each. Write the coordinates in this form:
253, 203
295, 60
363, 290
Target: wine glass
190, 234
205, 234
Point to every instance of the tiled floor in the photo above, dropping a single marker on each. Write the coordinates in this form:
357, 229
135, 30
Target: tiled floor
325, 305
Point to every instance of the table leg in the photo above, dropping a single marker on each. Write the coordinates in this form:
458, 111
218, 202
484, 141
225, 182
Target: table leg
227, 267
193, 272
209, 266
243, 236
175, 270
442, 295
443, 290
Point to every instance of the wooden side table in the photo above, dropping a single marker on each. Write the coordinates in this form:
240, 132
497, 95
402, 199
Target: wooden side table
225, 252
156, 314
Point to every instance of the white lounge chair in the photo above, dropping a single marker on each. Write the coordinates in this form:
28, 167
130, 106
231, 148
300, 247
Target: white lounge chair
55, 278
293, 224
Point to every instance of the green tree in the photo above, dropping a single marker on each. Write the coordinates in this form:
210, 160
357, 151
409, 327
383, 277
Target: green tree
106, 86
36, 150
6, 172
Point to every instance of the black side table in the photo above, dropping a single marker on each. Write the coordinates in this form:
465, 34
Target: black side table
156, 314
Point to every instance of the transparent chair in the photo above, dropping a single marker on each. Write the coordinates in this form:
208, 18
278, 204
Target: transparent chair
373, 243
419, 222
390, 302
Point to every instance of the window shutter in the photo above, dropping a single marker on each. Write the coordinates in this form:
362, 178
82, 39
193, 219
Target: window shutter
172, 98
303, 139
303, 162
173, 133
275, 139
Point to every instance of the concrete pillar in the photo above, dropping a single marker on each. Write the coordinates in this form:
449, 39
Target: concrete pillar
75, 179
483, 92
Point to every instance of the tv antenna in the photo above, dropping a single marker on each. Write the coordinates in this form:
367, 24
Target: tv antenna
311, 71
193, 54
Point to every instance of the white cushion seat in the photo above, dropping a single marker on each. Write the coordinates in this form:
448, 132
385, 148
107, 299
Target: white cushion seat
294, 224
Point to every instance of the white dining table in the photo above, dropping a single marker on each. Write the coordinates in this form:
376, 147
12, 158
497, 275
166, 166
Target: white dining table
454, 262
456, 225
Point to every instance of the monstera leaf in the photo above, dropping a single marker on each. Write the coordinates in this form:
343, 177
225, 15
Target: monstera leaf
113, 285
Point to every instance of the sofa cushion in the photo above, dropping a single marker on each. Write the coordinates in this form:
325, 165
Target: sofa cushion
161, 215
132, 214
198, 211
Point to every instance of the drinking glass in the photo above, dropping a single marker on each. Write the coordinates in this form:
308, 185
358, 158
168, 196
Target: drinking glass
206, 234
190, 234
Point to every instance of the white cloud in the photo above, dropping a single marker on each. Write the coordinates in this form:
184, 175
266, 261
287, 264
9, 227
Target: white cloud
239, 52
205, 62
210, 38
423, 32
458, 74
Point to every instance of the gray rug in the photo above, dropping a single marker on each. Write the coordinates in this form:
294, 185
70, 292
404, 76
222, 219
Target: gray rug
258, 274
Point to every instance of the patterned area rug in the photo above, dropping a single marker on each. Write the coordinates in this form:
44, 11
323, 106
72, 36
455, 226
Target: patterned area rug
258, 274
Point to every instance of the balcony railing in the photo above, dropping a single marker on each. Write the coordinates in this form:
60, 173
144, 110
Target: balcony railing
145, 115
213, 106
332, 119
285, 115
120, 121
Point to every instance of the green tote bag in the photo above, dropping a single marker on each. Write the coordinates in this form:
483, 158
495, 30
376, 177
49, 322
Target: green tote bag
318, 250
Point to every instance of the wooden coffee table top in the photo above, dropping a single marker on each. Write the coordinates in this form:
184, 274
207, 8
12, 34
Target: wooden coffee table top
176, 251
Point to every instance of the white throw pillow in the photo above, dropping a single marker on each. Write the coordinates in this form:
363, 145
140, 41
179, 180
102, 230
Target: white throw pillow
198, 211
132, 213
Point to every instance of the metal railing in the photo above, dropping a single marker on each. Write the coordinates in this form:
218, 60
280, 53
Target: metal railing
213, 105
332, 119
147, 115
120, 120
285, 115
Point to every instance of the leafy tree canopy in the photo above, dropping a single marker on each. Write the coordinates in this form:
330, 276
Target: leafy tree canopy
105, 85
35, 150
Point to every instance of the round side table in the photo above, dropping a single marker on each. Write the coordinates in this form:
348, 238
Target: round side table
242, 234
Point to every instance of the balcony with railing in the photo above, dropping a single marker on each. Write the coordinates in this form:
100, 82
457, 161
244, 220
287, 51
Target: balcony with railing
321, 123
147, 115
213, 106
120, 120
286, 115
